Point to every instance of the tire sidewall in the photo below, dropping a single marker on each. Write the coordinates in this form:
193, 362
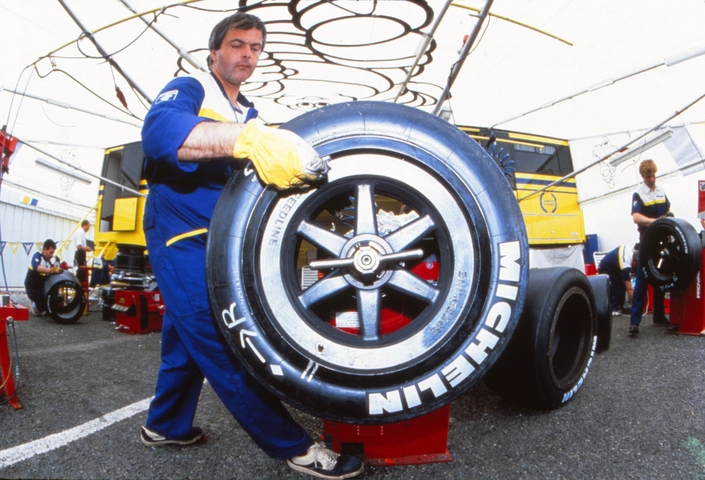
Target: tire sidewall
689, 264
476, 181
544, 309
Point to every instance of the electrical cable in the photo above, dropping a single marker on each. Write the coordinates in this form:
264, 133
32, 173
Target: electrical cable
92, 92
108, 55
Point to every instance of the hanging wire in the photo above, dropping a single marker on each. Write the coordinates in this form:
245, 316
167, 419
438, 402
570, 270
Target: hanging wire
89, 90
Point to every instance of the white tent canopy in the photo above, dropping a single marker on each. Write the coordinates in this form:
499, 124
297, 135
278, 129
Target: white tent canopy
605, 72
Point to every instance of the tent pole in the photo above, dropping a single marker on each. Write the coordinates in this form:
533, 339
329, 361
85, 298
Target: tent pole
455, 69
617, 150
422, 48
110, 60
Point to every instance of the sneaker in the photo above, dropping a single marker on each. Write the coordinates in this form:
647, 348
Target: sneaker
33, 309
324, 463
661, 321
153, 439
616, 313
633, 329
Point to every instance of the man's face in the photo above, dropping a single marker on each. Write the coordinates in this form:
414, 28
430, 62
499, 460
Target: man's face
237, 57
48, 252
650, 180
86, 227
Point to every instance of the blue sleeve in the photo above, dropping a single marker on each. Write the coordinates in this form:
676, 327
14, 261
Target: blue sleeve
36, 258
170, 120
637, 204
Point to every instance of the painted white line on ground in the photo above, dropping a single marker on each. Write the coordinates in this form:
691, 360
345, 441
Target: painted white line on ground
10, 456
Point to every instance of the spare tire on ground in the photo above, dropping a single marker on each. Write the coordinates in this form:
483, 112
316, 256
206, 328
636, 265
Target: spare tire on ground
65, 298
601, 290
385, 292
550, 354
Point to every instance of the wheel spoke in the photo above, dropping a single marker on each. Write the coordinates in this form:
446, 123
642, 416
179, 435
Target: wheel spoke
322, 238
368, 307
410, 284
365, 213
410, 233
323, 289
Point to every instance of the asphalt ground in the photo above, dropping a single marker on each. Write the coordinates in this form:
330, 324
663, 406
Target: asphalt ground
84, 389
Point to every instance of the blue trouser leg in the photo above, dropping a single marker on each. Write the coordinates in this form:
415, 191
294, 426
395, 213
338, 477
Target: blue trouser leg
178, 387
617, 290
638, 297
193, 348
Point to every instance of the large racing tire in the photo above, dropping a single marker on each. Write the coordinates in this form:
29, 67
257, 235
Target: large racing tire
670, 254
325, 295
65, 298
550, 354
601, 291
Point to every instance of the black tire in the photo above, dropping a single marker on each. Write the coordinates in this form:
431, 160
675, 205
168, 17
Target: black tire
65, 298
670, 254
603, 309
550, 354
418, 344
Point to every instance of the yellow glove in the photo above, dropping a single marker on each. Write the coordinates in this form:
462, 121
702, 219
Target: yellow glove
281, 157
55, 270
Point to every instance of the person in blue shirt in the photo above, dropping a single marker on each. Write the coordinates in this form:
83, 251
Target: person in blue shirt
195, 135
649, 203
619, 264
41, 265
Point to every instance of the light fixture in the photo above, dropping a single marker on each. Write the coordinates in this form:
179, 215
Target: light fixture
633, 153
64, 171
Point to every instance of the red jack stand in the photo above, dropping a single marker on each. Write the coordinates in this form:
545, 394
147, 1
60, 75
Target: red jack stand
7, 381
688, 307
138, 311
419, 440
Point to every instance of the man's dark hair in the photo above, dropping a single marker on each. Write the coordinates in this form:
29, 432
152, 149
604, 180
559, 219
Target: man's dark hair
85, 222
49, 243
243, 21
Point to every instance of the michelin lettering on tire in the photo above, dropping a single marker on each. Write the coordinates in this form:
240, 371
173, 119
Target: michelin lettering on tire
371, 339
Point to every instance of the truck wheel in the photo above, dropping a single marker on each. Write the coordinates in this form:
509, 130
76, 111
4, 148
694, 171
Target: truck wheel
670, 254
325, 295
550, 354
65, 299
603, 309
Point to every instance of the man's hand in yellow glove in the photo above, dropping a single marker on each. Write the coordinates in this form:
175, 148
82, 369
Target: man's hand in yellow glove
55, 270
281, 157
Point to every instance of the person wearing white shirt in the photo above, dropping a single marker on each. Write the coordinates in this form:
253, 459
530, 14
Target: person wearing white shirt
79, 240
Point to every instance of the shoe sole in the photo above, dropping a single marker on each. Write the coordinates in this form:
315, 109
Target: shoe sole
159, 443
303, 469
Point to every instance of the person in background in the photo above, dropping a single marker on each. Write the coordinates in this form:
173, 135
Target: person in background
619, 264
199, 131
79, 241
649, 203
41, 265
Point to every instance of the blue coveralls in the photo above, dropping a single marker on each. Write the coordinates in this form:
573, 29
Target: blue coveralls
179, 207
34, 281
652, 205
618, 266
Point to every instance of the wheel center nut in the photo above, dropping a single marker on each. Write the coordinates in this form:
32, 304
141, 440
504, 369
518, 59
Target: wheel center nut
366, 262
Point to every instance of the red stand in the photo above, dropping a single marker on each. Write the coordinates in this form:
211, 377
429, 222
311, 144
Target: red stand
688, 307
7, 381
138, 311
419, 440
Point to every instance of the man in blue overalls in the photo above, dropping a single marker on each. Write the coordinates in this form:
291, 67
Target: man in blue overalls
618, 264
195, 133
